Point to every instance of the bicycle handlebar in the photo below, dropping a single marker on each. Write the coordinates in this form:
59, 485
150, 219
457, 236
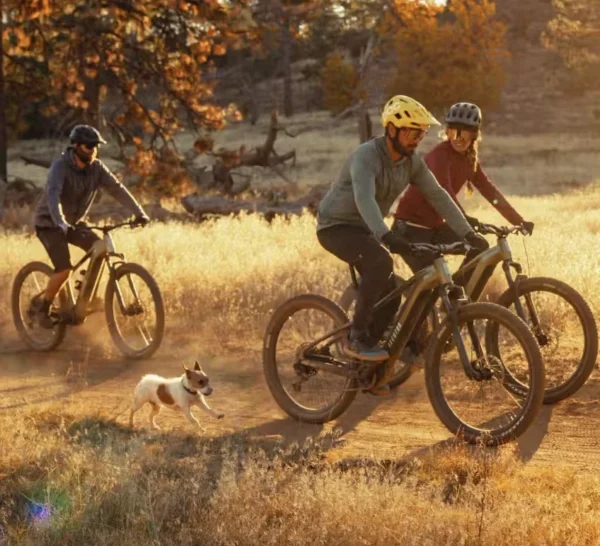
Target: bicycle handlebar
437, 251
107, 229
500, 231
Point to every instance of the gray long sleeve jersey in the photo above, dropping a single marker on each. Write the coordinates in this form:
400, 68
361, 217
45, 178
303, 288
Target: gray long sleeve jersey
70, 191
369, 183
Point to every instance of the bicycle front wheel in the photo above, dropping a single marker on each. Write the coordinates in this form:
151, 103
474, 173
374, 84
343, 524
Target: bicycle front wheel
476, 400
304, 392
564, 327
135, 312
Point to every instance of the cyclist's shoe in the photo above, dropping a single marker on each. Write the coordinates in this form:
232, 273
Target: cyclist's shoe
362, 348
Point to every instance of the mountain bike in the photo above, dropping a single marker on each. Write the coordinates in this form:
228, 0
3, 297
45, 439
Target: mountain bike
313, 380
132, 303
561, 320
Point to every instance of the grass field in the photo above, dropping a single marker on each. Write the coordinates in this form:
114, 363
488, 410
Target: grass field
71, 476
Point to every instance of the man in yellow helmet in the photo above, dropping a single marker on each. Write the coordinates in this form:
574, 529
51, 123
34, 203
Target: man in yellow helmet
350, 216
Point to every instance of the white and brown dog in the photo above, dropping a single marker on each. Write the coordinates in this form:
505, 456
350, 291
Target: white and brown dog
177, 393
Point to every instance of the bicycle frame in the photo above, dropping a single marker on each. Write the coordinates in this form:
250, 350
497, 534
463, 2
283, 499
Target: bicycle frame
423, 289
481, 269
99, 257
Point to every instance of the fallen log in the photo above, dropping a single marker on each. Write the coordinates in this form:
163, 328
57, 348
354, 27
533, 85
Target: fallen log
202, 207
155, 211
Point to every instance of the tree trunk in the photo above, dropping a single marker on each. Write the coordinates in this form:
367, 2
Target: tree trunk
3, 139
365, 126
286, 51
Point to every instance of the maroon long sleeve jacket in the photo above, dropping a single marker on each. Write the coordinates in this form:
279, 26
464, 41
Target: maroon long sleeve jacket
452, 170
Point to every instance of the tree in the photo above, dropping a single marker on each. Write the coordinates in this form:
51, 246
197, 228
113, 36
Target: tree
445, 57
282, 22
141, 68
574, 33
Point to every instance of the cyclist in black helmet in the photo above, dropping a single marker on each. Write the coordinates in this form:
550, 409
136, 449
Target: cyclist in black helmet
73, 182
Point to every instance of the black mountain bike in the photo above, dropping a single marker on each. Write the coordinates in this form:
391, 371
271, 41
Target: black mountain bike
559, 317
132, 304
488, 394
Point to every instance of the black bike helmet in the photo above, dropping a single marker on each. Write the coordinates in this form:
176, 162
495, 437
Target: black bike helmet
464, 113
86, 134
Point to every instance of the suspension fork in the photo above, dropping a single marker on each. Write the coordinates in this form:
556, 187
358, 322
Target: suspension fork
514, 287
452, 307
113, 278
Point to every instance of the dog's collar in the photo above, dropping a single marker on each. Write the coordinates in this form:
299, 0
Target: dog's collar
188, 390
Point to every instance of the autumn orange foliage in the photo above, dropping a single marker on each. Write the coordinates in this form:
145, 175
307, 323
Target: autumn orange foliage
145, 69
444, 55
339, 80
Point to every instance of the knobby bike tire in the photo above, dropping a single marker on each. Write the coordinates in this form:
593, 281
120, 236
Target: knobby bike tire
59, 330
285, 402
532, 397
583, 371
113, 328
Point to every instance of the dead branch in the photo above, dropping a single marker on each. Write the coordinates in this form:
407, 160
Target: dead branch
202, 207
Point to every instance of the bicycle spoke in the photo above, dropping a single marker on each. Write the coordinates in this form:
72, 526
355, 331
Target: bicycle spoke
309, 387
482, 400
136, 320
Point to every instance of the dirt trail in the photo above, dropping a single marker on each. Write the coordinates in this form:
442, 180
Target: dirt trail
399, 426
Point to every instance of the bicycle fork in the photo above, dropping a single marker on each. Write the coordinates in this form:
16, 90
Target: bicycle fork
513, 284
471, 371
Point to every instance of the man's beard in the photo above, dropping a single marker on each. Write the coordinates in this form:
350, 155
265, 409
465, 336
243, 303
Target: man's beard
85, 157
398, 147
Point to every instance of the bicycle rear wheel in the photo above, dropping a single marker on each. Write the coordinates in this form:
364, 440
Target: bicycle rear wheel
304, 392
27, 291
565, 329
137, 322
481, 405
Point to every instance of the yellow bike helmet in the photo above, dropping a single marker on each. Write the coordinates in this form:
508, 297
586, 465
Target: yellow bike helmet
402, 111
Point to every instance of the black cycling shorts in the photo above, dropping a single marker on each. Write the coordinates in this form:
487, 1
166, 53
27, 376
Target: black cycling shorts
56, 243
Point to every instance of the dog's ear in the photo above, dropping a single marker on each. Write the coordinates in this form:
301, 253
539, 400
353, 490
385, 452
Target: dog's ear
197, 366
185, 367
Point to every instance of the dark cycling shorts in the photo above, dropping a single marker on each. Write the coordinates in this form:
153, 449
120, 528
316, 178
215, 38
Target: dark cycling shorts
56, 244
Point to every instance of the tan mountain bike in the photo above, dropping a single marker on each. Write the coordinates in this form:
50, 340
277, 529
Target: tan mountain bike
557, 314
133, 304
313, 380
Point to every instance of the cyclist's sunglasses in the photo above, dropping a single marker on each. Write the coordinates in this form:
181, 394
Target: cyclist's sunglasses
91, 146
415, 135
455, 133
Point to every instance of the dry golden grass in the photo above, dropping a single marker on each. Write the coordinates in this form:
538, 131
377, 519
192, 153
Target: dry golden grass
223, 278
72, 478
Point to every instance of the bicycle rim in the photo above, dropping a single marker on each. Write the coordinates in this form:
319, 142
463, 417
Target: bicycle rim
303, 391
28, 290
136, 321
483, 405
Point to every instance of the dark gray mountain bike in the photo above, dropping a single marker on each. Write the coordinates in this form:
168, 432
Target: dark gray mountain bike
559, 317
132, 304
314, 380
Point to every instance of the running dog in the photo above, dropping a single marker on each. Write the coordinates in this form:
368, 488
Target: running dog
177, 393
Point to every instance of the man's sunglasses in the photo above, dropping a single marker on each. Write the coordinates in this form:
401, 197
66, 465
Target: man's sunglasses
456, 133
415, 135
90, 147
